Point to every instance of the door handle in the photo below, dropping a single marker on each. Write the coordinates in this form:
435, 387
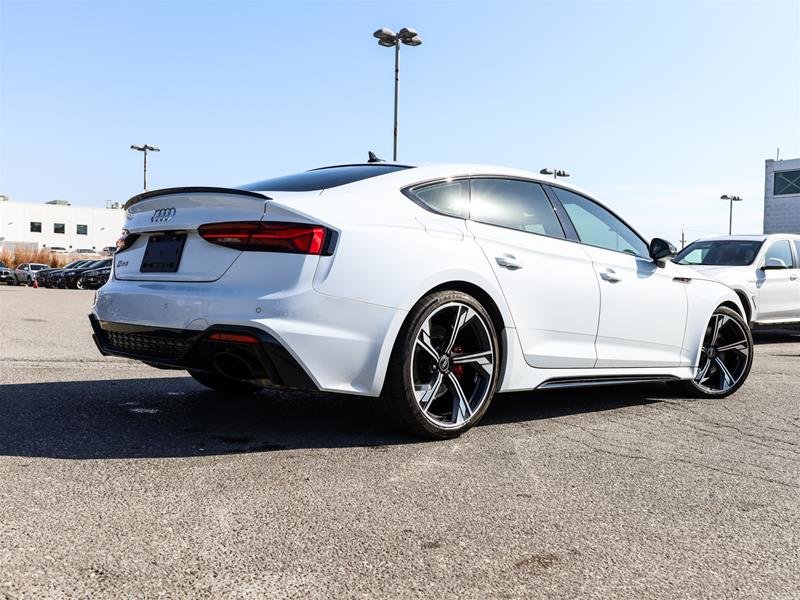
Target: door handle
609, 275
509, 261
793, 277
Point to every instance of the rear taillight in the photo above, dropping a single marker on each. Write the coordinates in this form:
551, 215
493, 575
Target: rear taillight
296, 238
126, 240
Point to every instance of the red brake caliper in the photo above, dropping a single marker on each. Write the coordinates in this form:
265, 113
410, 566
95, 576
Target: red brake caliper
458, 370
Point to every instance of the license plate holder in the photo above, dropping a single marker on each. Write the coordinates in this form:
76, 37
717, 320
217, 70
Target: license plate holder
163, 253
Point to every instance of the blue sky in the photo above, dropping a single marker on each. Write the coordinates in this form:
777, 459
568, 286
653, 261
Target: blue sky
657, 108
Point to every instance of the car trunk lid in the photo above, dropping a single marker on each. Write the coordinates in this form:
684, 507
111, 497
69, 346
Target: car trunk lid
164, 225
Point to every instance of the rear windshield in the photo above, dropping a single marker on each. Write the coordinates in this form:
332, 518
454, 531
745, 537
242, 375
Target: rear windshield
320, 179
728, 253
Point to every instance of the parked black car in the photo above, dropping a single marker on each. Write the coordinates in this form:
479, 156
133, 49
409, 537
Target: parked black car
71, 278
91, 280
45, 277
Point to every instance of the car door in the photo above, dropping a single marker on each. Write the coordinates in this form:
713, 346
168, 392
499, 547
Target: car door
643, 307
548, 281
778, 287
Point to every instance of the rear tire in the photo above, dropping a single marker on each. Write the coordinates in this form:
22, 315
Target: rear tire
444, 368
218, 383
725, 359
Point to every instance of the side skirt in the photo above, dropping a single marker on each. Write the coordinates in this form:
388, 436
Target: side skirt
569, 382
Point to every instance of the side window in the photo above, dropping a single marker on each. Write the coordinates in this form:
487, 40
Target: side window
797, 249
598, 227
445, 197
782, 250
514, 204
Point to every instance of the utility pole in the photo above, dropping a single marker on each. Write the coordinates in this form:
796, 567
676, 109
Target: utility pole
389, 39
145, 149
556, 173
732, 199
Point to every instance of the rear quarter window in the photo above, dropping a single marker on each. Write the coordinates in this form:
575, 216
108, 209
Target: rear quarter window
449, 198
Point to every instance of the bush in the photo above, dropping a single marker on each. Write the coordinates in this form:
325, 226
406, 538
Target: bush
16, 256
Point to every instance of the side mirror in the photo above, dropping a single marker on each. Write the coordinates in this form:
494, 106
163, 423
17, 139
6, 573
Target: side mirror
661, 249
774, 263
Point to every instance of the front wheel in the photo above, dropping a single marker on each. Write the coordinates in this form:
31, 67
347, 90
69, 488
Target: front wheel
725, 357
79, 285
444, 367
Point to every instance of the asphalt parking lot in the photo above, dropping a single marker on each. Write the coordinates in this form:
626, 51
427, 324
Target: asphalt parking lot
119, 480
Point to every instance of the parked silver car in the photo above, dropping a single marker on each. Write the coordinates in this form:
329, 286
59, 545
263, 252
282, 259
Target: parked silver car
26, 272
7, 274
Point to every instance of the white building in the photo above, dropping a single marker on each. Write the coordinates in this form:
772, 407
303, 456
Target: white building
782, 196
57, 224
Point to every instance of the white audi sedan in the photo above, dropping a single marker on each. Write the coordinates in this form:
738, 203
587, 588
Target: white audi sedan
429, 287
764, 270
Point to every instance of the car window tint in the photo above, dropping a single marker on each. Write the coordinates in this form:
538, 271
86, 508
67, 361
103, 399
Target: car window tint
598, 227
797, 248
781, 250
446, 197
514, 204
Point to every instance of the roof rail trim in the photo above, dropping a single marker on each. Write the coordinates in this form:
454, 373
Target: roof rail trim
375, 164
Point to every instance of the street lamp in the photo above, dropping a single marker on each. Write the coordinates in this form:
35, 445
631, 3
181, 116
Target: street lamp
556, 173
145, 148
732, 199
388, 39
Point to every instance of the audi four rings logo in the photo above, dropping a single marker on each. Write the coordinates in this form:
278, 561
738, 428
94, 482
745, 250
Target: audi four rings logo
162, 215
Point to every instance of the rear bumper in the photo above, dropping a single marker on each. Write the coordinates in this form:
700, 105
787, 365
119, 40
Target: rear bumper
342, 345
265, 360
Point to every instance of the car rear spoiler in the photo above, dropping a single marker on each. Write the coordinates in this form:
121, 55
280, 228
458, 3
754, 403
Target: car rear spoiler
192, 190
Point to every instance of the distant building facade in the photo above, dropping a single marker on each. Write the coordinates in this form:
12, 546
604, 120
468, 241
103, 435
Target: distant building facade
57, 224
782, 196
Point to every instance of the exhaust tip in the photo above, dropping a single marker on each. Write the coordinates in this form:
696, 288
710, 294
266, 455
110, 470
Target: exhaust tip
232, 366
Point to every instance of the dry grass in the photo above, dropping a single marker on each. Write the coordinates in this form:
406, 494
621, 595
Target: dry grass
14, 257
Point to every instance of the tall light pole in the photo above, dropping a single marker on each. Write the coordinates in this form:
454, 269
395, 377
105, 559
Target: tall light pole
556, 173
732, 199
145, 148
388, 39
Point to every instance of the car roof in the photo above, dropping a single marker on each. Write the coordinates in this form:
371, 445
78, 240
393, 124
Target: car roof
443, 170
405, 174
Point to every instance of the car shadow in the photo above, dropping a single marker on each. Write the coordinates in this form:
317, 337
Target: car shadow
175, 417
775, 336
